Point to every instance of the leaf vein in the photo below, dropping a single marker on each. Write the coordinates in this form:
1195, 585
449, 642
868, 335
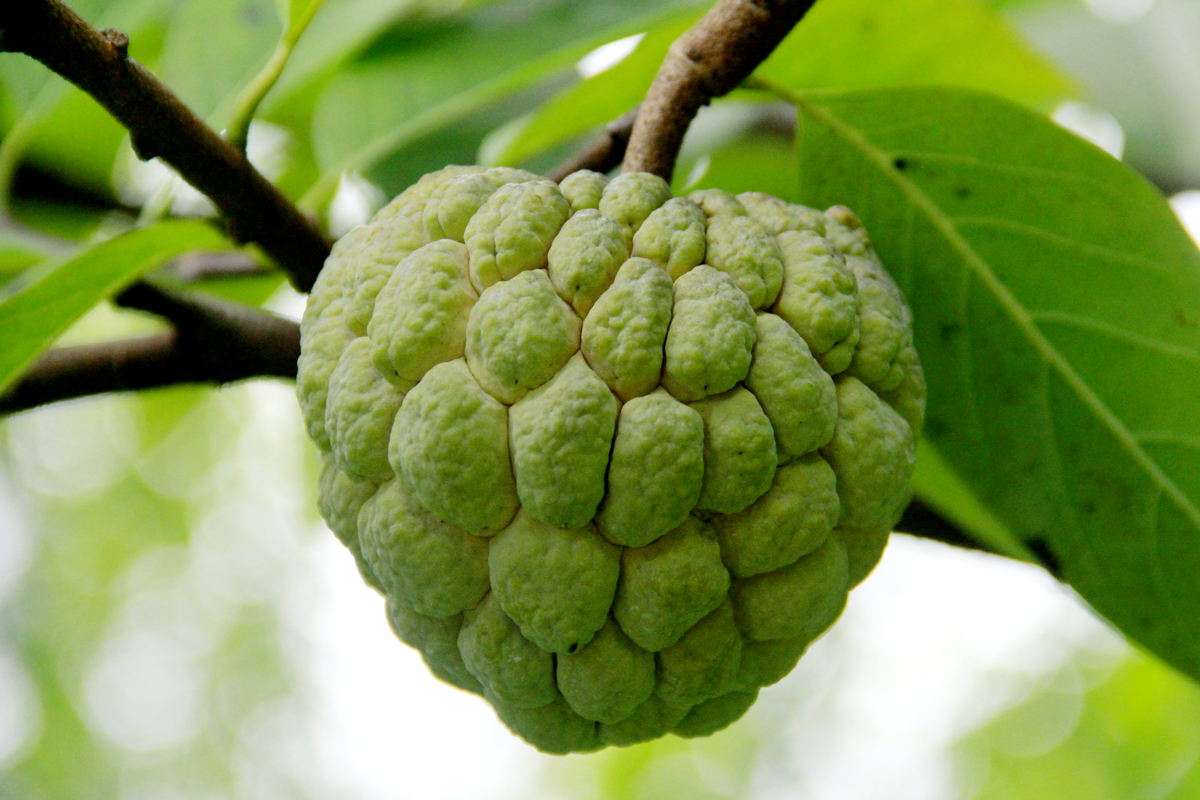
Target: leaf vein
1188, 440
1070, 319
1057, 238
999, 166
1007, 300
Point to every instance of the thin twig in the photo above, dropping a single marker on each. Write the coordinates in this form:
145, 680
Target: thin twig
604, 153
211, 342
708, 61
161, 125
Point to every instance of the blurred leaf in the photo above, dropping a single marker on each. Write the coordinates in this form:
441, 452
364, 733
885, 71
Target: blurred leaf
340, 29
1057, 308
65, 221
14, 258
22, 78
207, 71
456, 143
61, 128
1144, 70
839, 44
1137, 737
76, 140
438, 72
21, 249
755, 160
603, 97
34, 315
861, 44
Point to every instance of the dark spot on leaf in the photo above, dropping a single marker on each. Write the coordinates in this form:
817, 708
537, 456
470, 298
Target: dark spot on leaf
252, 14
1183, 319
950, 330
935, 427
573, 647
962, 192
1041, 549
901, 164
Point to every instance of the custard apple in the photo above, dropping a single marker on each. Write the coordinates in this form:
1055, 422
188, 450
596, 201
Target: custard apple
614, 457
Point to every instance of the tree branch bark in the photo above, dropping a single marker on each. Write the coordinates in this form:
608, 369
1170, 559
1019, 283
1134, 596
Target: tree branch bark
161, 125
710, 60
212, 342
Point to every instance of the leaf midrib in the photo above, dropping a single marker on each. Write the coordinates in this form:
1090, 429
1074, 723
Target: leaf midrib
1007, 300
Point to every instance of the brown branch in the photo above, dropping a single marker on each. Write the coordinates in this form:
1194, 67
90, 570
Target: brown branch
161, 125
710, 60
212, 342
604, 153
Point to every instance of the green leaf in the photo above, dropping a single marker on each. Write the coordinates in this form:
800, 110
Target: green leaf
58, 126
76, 140
1057, 308
341, 28
839, 44
752, 160
207, 71
437, 73
941, 489
32, 317
21, 249
862, 44
603, 97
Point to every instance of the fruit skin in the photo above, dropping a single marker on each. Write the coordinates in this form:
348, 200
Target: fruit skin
615, 457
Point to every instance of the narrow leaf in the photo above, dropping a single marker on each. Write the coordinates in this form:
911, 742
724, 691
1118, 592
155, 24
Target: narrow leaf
32, 317
1057, 308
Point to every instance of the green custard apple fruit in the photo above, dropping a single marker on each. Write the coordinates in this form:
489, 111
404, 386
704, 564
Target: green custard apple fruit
615, 457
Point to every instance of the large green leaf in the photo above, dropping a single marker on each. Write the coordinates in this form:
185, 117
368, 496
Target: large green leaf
33, 316
434, 74
1057, 307
840, 43
859, 44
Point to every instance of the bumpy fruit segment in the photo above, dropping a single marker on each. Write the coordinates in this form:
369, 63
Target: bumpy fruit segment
615, 457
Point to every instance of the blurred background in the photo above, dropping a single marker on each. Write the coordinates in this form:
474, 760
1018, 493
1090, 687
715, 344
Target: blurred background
177, 623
